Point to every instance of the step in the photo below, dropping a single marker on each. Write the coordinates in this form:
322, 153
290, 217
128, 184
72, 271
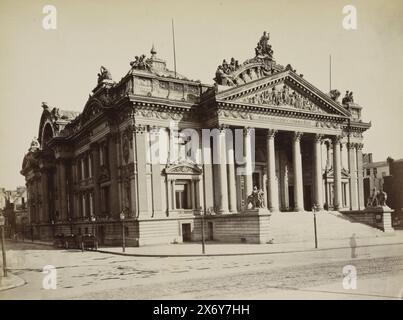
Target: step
299, 227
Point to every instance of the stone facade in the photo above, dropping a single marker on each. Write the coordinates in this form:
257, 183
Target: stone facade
164, 150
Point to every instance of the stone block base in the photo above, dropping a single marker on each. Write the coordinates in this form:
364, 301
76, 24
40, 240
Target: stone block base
378, 217
249, 227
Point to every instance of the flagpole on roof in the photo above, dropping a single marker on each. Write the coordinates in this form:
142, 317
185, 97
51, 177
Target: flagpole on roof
173, 41
330, 72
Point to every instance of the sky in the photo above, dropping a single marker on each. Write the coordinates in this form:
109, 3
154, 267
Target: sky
60, 66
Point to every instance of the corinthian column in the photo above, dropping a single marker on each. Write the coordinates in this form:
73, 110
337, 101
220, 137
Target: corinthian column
61, 168
141, 149
231, 172
361, 205
272, 186
352, 167
336, 173
297, 166
318, 194
222, 172
247, 134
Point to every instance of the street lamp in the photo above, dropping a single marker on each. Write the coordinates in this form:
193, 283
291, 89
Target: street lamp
206, 211
71, 225
32, 232
53, 227
203, 240
93, 218
3, 249
122, 218
314, 209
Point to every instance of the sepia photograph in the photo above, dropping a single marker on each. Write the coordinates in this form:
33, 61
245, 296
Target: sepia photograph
217, 152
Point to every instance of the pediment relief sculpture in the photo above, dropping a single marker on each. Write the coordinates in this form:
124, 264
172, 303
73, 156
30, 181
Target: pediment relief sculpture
282, 96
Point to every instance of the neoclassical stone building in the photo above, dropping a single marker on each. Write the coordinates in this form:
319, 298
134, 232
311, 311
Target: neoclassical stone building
165, 150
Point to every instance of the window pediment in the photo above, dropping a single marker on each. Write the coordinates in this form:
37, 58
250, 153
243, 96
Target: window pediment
183, 168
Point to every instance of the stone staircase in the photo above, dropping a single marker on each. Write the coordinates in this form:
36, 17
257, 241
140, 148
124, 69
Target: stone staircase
287, 227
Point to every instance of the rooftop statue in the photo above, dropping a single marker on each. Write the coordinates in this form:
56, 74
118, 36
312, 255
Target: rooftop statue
104, 74
34, 145
262, 65
140, 63
348, 98
222, 76
334, 94
263, 48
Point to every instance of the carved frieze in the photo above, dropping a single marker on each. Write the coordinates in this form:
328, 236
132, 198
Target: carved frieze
162, 114
282, 96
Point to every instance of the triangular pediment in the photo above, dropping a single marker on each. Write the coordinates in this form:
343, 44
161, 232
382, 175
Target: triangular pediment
284, 90
183, 167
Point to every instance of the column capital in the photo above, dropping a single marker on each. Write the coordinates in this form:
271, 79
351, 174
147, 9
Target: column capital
351, 145
247, 131
271, 133
223, 127
359, 146
140, 128
336, 139
297, 135
155, 130
318, 138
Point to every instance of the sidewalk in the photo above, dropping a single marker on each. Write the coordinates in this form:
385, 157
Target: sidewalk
215, 248
9, 282
224, 249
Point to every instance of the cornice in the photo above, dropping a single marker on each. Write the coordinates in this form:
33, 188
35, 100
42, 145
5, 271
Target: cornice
280, 111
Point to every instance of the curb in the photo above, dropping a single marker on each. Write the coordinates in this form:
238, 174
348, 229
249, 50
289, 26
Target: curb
237, 254
17, 282
30, 242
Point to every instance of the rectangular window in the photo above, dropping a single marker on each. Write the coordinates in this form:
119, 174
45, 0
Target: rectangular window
182, 196
106, 155
105, 200
90, 165
101, 156
82, 169
83, 205
91, 204
86, 168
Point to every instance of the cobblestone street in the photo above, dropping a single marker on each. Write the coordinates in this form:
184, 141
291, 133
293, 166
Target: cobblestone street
306, 275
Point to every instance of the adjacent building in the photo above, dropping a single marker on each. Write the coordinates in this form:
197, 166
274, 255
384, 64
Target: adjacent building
14, 208
160, 150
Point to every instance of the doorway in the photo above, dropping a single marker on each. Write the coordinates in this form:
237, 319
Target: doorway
210, 230
308, 198
186, 232
256, 180
100, 234
291, 197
